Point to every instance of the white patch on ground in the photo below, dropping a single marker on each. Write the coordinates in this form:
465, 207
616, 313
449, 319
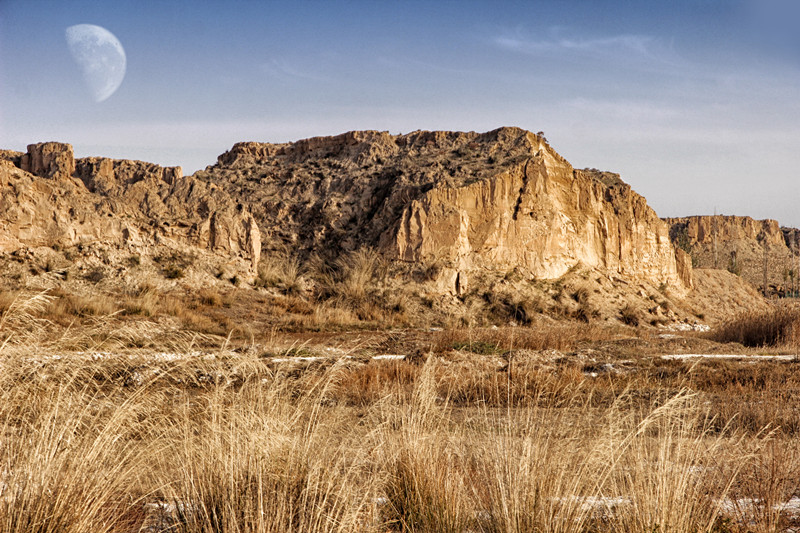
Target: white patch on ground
388, 357
683, 356
748, 505
302, 359
683, 326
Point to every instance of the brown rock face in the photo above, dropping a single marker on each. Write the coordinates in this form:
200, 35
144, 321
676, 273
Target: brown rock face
49, 160
740, 244
701, 229
498, 200
55, 200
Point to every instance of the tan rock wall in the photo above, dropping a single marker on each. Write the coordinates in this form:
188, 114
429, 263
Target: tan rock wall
701, 229
544, 217
55, 199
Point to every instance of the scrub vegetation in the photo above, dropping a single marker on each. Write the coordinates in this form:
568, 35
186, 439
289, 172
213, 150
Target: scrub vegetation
475, 429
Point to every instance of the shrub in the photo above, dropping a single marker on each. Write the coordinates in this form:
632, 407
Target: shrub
173, 272
478, 347
779, 325
629, 315
95, 275
281, 271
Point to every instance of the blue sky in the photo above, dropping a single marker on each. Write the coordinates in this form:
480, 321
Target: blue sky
694, 102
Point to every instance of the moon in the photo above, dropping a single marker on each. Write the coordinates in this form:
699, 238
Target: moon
100, 57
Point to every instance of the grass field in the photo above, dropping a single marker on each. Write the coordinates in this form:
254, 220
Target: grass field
126, 427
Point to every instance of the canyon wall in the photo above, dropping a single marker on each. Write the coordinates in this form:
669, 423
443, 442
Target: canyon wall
741, 245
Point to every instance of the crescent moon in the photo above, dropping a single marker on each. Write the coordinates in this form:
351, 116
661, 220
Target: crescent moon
100, 57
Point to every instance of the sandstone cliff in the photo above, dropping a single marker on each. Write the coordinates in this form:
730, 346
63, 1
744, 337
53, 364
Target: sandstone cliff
498, 200
740, 244
50, 199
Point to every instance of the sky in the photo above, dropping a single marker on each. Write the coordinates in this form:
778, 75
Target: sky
696, 103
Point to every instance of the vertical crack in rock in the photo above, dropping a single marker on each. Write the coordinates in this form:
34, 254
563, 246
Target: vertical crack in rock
521, 189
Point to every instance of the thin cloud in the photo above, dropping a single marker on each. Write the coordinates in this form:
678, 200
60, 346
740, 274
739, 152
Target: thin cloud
286, 72
635, 44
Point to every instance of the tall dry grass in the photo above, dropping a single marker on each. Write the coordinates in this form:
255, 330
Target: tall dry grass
236, 443
777, 327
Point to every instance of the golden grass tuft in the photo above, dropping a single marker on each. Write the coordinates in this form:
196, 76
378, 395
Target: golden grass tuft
777, 326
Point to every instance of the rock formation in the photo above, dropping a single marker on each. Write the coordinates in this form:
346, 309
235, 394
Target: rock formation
740, 244
498, 200
47, 198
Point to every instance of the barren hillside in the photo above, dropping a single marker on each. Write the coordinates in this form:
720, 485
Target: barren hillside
426, 227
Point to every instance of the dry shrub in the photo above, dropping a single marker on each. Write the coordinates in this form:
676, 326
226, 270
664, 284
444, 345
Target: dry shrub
769, 479
551, 336
145, 303
66, 464
209, 297
630, 315
427, 484
7, 298
664, 471
512, 308
350, 278
275, 466
280, 270
779, 325
65, 305
368, 384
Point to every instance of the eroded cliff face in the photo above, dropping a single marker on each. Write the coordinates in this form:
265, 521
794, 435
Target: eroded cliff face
741, 245
701, 229
498, 200
542, 216
47, 198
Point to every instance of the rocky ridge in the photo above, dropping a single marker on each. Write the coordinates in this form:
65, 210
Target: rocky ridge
740, 245
497, 200
488, 227
50, 199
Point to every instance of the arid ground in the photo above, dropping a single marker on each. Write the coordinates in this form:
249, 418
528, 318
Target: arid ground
157, 412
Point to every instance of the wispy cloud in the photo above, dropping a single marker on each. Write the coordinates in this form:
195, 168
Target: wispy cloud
632, 44
281, 69
562, 41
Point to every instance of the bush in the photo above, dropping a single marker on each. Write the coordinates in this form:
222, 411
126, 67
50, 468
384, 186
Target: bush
96, 275
173, 272
629, 315
780, 325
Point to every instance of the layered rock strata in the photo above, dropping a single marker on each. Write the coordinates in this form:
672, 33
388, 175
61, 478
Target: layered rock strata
740, 244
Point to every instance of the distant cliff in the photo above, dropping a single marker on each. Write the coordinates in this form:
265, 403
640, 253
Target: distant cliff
740, 244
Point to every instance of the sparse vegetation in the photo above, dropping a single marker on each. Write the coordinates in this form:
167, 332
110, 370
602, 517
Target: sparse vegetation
777, 326
629, 315
95, 275
173, 272
480, 429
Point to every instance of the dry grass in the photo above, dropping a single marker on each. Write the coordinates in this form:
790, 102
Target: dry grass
778, 326
280, 270
245, 449
440, 443
554, 336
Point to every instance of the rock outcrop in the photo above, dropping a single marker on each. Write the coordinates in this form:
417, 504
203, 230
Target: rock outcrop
499, 200
47, 198
49, 160
741, 244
